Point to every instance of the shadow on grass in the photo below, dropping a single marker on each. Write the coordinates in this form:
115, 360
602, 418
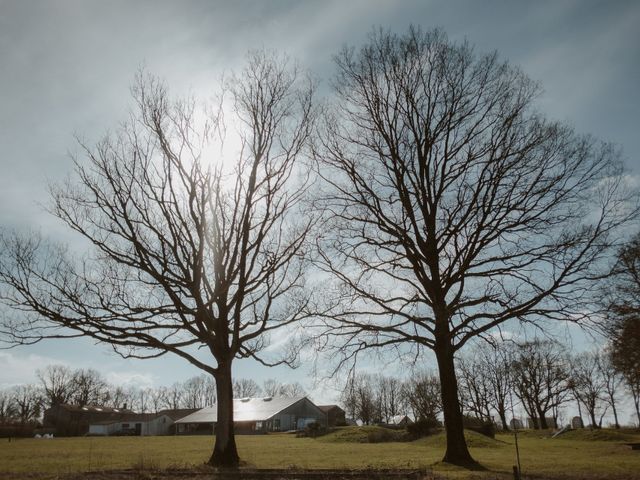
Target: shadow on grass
210, 473
471, 466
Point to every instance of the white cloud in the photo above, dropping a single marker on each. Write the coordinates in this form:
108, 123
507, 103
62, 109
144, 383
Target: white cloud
18, 369
131, 379
324, 394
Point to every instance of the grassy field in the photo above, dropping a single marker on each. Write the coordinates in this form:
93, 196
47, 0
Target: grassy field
580, 454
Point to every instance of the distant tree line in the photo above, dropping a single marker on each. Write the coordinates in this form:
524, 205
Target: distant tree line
538, 377
378, 398
58, 384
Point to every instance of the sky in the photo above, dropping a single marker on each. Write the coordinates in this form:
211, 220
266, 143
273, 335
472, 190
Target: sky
66, 68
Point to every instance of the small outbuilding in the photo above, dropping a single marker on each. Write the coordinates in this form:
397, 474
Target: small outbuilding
516, 424
335, 415
131, 424
400, 420
576, 422
70, 420
141, 424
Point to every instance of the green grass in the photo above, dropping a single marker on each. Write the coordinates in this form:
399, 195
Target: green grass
581, 454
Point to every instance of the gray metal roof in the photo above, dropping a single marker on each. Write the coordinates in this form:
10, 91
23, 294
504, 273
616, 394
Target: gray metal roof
177, 414
127, 418
88, 408
244, 410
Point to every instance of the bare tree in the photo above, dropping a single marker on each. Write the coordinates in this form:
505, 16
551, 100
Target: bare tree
245, 388
422, 393
626, 357
58, 384
292, 390
188, 249
140, 399
272, 387
476, 392
374, 398
359, 398
7, 407
453, 205
157, 398
119, 397
27, 401
588, 385
390, 397
612, 380
89, 387
195, 392
174, 397
540, 376
210, 394
485, 383
496, 360
622, 322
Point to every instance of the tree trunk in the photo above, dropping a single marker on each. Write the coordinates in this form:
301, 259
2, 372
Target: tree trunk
532, 421
225, 453
542, 419
457, 452
615, 413
636, 402
580, 411
594, 422
503, 418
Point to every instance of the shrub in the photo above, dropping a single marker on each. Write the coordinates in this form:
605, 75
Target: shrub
379, 436
382, 435
313, 430
14, 431
483, 427
423, 427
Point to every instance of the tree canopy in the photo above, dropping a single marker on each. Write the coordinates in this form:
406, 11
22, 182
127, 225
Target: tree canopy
622, 319
190, 253
453, 205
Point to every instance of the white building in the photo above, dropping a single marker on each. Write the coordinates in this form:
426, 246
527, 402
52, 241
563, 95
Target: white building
140, 424
257, 415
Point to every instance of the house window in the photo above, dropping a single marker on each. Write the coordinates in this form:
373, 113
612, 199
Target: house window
125, 425
276, 424
258, 425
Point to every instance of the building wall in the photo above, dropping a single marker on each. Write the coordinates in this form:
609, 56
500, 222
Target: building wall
295, 417
161, 425
74, 422
98, 430
195, 428
336, 416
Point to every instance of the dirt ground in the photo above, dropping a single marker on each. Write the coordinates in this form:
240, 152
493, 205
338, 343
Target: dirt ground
242, 474
206, 473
